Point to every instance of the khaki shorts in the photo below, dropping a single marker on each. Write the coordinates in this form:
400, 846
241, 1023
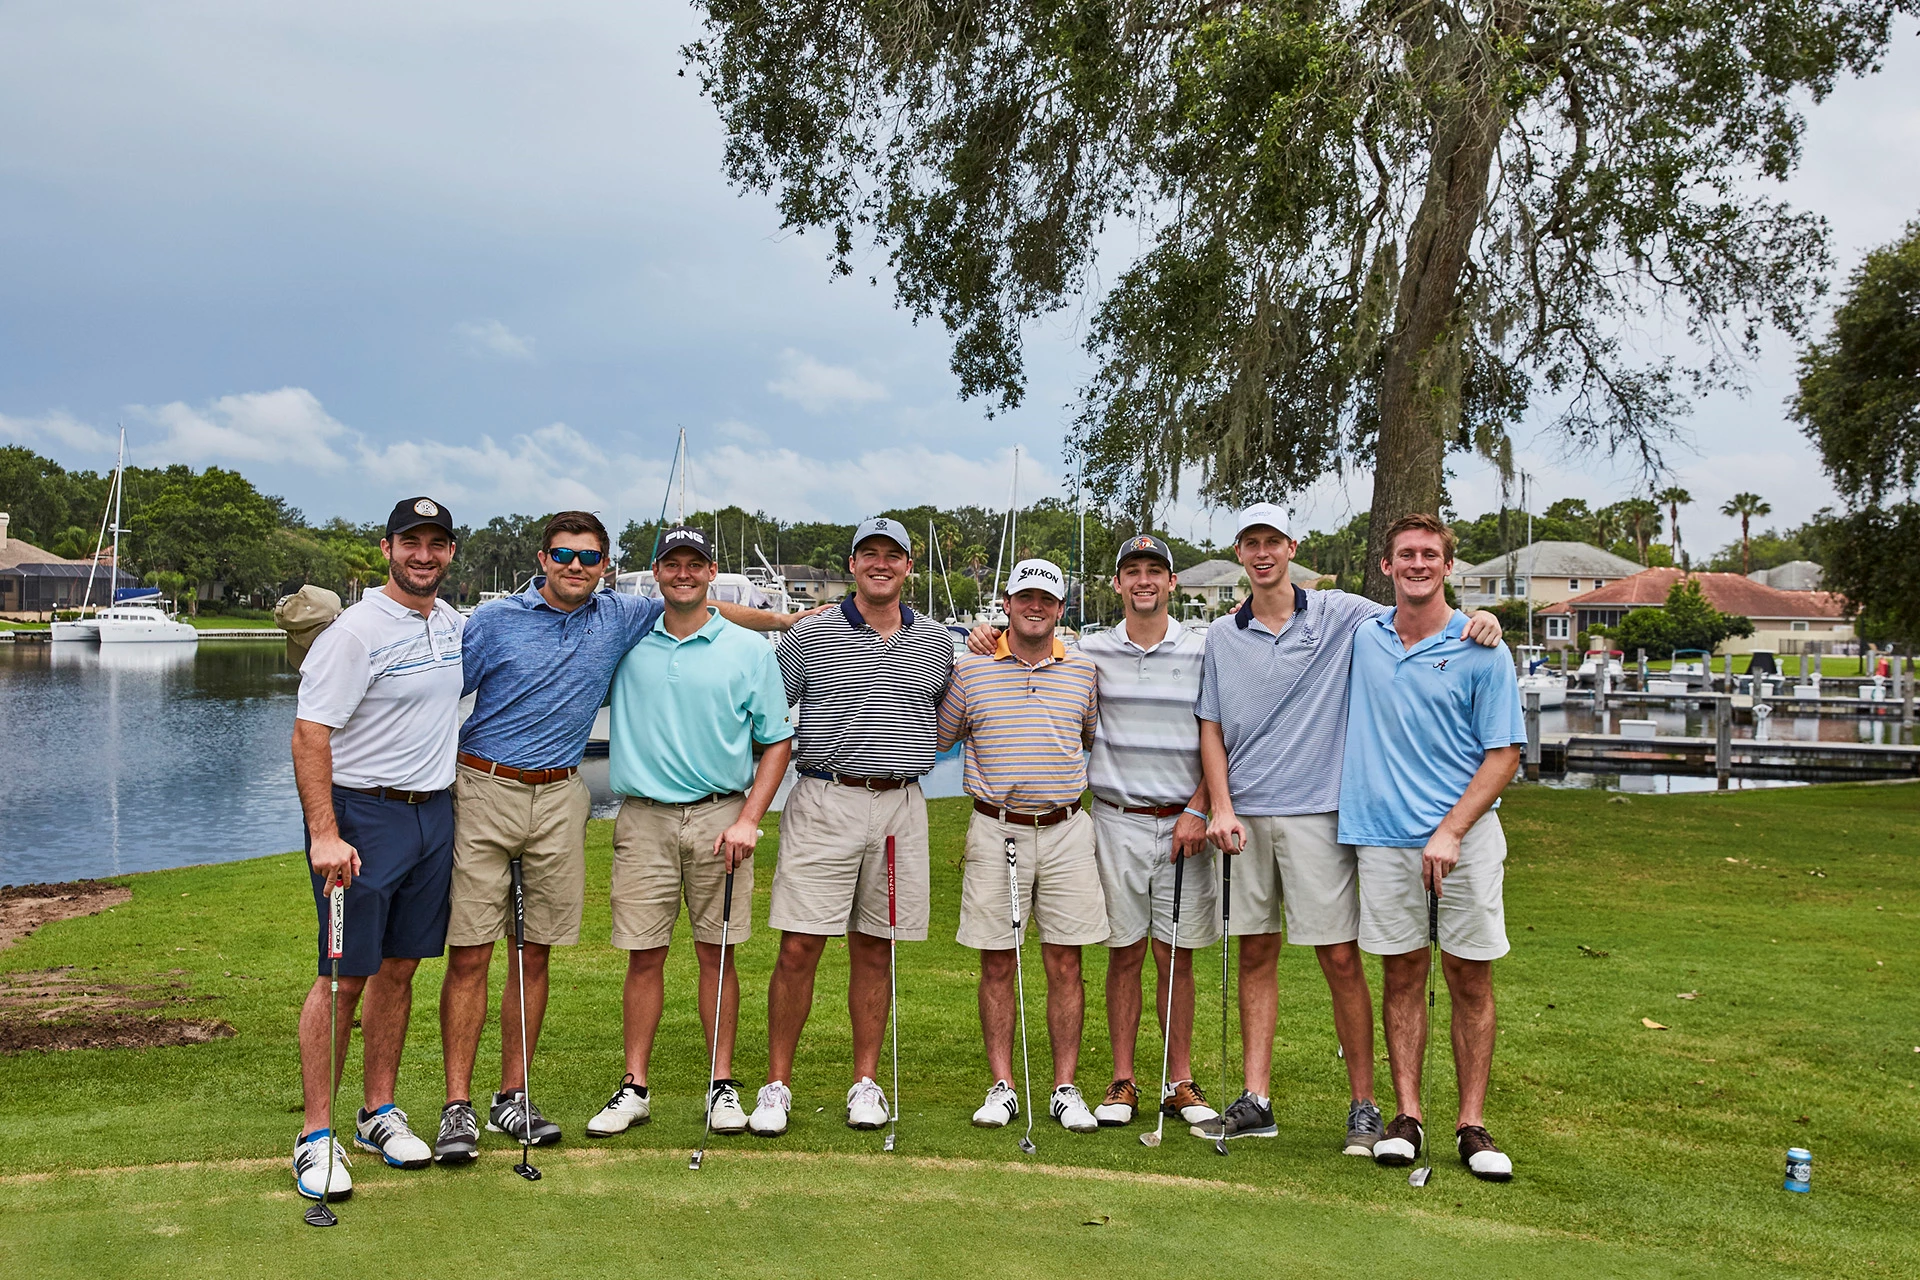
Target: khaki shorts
662, 852
1135, 852
493, 820
1295, 871
1059, 884
832, 873
1473, 914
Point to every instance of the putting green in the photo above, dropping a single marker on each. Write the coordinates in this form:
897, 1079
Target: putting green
1786, 915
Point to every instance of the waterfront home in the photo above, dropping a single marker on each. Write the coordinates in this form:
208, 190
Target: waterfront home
35, 582
1545, 572
1783, 621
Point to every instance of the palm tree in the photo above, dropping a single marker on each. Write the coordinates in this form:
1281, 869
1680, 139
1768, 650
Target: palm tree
1642, 518
1746, 506
1675, 498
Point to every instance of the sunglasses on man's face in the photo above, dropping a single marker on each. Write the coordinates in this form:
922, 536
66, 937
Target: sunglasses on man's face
567, 555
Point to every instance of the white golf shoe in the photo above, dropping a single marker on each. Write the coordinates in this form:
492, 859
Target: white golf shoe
628, 1106
866, 1105
385, 1133
1070, 1109
724, 1110
311, 1176
1001, 1106
770, 1108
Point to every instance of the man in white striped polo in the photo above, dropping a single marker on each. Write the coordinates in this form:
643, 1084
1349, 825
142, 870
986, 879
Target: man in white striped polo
1149, 810
1273, 728
866, 679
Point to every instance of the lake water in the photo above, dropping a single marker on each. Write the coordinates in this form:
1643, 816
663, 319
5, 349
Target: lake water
123, 758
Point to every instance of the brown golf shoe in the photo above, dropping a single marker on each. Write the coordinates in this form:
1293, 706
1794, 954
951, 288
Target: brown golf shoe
1482, 1158
1118, 1106
1184, 1101
1400, 1145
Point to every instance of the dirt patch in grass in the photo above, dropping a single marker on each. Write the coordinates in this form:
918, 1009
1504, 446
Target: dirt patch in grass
24, 908
46, 1010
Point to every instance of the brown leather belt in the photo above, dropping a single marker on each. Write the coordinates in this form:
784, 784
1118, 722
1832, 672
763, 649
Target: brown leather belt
688, 804
1018, 819
865, 784
395, 793
532, 777
1149, 811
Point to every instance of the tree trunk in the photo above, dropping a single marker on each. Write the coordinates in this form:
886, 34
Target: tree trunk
1420, 381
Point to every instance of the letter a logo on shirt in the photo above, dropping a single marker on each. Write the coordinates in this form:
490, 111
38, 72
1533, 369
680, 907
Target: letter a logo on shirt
1442, 664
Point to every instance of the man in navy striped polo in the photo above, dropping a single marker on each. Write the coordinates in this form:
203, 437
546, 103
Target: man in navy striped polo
1273, 728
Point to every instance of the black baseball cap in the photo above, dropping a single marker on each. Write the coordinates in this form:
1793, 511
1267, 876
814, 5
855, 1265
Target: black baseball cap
1144, 545
411, 513
684, 538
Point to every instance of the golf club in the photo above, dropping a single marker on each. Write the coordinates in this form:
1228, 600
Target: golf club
1418, 1178
719, 1000
525, 1168
1226, 965
320, 1215
1166, 1021
893, 996
1020, 986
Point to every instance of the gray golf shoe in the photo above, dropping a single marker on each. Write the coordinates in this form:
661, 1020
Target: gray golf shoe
512, 1115
1245, 1118
459, 1138
1364, 1128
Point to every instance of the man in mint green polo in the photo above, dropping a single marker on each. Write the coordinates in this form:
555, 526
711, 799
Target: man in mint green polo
691, 703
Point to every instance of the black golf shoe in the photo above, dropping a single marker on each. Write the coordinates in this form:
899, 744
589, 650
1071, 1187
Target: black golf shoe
459, 1140
511, 1114
1245, 1118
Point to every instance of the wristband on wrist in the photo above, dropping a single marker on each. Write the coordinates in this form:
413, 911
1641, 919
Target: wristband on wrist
1195, 812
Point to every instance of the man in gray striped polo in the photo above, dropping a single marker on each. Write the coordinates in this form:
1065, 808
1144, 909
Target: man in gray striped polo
1149, 810
1273, 728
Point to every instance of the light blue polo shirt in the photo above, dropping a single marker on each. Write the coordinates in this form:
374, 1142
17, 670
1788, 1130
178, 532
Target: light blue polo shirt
1420, 722
686, 713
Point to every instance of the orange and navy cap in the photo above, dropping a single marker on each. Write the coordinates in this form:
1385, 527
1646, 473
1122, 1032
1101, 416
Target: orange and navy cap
1144, 545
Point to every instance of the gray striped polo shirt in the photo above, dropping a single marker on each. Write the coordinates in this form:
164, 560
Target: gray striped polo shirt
1146, 750
1281, 701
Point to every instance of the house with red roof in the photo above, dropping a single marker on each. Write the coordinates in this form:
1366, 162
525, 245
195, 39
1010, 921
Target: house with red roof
1783, 621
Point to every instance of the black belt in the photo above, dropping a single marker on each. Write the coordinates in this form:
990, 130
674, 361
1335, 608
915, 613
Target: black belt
688, 804
395, 793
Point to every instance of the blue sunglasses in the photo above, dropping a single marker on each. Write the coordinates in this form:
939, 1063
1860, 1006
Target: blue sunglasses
567, 555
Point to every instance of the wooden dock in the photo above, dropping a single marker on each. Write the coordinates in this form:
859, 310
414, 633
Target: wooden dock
1785, 760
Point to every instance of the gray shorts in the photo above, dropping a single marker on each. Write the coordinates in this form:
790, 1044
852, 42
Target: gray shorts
1135, 852
1294, 871
1473, 915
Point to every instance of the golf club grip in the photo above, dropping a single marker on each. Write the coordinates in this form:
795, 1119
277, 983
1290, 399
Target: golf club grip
336, 922
726, 901
893, 915
1013, 884
1179, 874
519, 904
1433, 917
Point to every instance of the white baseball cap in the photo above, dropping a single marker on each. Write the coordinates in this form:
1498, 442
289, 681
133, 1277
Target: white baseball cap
881, 527
1043, 574
1261, 513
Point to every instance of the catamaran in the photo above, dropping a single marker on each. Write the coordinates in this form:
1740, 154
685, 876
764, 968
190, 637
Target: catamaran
136, 615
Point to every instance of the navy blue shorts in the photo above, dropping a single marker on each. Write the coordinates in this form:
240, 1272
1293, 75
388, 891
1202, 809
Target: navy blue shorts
397, 906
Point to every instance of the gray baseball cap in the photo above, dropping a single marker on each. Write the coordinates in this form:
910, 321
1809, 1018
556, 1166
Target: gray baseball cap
881, 527
1144, 545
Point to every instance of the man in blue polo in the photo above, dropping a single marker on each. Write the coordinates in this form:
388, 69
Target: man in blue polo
1432, 740
692, 703
538, 664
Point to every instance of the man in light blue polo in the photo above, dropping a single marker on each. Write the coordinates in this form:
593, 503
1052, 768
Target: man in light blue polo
692, 703
538, 664
1433, 730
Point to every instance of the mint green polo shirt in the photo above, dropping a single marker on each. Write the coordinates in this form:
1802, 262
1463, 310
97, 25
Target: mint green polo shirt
686, 713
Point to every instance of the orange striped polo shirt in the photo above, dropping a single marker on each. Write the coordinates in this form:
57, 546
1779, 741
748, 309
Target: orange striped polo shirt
1026, 728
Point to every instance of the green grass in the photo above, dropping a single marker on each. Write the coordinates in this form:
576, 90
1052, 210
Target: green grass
1638, 1152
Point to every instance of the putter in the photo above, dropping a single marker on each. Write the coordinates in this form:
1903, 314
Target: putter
719, 999
320, 1215
1166, 1027
525, 1168
1020, 985
893, 996
1418, 1178
1226, 964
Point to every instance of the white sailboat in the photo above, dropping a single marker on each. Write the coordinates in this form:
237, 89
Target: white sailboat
83, 628
135, 616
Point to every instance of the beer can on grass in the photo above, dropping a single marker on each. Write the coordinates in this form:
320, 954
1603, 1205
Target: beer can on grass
1799, 1170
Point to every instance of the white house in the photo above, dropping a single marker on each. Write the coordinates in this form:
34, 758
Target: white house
1543, 572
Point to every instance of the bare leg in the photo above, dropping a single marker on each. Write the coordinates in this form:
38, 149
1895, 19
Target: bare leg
867, 992
790, 1000
1123, 1004
511, 1075
463, 1015
642, 996
383, 1027
1352, 1012
1180, 1048
1403, 1010
1470, 985
1066, 1008
708, 954
314, 1084
1259, 1008
997, 1000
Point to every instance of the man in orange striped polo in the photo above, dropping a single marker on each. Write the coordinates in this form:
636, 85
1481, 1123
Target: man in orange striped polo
1027, 715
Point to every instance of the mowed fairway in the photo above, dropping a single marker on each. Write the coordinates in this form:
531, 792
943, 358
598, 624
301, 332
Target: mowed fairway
1792, 915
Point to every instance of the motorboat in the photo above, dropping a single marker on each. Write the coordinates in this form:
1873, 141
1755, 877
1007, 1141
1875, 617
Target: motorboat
1536, 677
1589, 672
135, 617
1692, 667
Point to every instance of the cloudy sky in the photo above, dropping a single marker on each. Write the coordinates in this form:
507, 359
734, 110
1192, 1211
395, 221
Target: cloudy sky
484, 250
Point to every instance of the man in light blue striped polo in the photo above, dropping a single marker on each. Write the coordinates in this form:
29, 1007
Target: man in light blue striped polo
1150, 809
1273, 728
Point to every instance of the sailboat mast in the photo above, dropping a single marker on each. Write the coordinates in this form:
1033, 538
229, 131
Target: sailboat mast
119, 498
682, 519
